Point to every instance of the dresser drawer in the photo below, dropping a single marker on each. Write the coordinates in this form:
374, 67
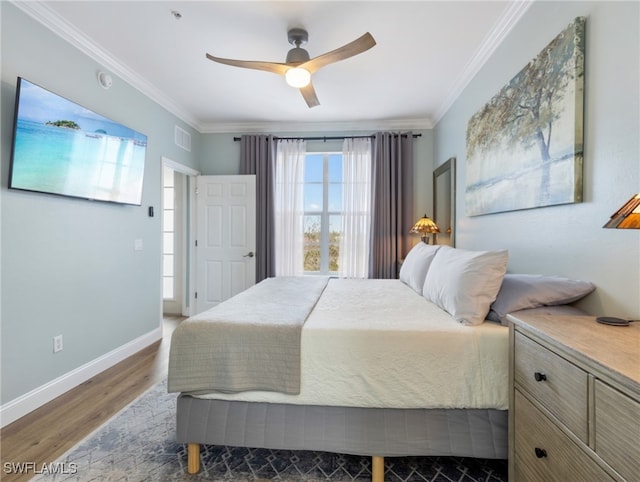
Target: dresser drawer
544, 453
557, 384
618, 430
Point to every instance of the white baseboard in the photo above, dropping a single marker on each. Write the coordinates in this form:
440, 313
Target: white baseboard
13, 410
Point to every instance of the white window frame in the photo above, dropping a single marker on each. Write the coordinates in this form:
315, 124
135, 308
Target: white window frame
325, 214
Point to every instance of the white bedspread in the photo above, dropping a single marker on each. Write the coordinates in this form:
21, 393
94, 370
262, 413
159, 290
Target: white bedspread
377, 343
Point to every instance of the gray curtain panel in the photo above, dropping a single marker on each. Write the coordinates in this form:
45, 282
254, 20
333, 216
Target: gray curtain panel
257, 156
392, 202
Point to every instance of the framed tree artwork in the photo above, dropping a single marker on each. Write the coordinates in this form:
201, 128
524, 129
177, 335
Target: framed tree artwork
524, 147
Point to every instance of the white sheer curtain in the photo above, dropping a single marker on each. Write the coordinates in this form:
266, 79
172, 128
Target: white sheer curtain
289, 207
356, 207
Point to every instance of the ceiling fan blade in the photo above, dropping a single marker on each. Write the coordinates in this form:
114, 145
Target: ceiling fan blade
309, 94
275, 67
356, 47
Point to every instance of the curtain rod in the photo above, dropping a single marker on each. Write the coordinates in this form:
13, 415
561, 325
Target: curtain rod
330, 138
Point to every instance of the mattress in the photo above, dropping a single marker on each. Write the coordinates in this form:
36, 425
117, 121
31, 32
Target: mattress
377, 343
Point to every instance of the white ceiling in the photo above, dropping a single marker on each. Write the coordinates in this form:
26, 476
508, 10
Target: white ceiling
426, 53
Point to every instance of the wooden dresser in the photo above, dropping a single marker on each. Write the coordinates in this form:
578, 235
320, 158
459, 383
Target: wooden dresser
574, 399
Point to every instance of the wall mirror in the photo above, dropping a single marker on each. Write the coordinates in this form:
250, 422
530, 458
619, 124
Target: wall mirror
444, 202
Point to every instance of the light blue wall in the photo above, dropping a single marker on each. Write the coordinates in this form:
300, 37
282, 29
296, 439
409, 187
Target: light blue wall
69, 266
568, 240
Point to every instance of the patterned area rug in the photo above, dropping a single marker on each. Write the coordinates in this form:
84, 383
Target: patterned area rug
139, 444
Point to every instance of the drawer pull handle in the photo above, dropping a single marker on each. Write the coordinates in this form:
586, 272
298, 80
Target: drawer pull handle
540, 377
540, 453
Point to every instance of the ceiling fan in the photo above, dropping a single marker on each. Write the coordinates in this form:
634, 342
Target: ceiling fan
298, 67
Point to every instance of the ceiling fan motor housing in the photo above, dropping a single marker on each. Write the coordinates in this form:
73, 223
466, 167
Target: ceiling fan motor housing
297, 37
297, 56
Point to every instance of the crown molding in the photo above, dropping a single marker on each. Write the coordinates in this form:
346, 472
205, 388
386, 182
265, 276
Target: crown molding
42, 13
509, 18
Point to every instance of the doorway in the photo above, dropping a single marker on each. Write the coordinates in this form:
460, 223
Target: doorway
178, 191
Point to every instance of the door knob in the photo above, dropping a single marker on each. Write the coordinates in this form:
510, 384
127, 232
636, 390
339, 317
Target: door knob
248, 255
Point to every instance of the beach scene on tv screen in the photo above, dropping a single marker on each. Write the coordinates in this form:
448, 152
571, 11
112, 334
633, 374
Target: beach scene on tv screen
63, 148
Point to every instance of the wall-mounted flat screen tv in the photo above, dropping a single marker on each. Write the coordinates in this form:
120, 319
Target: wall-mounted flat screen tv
60, 147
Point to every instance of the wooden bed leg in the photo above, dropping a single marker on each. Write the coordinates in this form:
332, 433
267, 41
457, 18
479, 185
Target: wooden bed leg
377, 469
193, 458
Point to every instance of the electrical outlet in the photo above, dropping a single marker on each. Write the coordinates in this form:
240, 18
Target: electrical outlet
57, 343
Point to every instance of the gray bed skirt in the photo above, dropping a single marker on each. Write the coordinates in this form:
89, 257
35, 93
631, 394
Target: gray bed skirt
345, 430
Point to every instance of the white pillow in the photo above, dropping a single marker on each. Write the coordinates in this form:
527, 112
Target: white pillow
416, 264
464, 283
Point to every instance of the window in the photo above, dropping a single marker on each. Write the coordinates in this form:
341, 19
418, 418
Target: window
322, 209
322, 212
168, 235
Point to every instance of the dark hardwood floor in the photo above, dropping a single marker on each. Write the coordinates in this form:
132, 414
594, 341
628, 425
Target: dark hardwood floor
48, 432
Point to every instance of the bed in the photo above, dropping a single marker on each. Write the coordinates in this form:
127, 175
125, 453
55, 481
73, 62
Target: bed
381, 368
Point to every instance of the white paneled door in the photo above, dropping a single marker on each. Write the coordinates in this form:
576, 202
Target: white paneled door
226, 230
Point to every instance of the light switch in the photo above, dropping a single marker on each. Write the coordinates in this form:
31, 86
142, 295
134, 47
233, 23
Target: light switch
137, 245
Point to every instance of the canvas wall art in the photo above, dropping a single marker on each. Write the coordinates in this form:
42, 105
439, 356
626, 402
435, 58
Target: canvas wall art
524, 147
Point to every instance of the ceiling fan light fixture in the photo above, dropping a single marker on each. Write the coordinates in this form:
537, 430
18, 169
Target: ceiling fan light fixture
298, 67
298, 77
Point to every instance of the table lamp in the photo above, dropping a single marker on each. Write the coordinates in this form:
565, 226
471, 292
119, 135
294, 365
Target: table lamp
424, 227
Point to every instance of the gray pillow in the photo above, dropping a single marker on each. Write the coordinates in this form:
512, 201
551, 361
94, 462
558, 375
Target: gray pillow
524, 291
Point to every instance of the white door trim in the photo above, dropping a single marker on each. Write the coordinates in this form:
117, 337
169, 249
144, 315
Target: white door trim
176, 166
188, 272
